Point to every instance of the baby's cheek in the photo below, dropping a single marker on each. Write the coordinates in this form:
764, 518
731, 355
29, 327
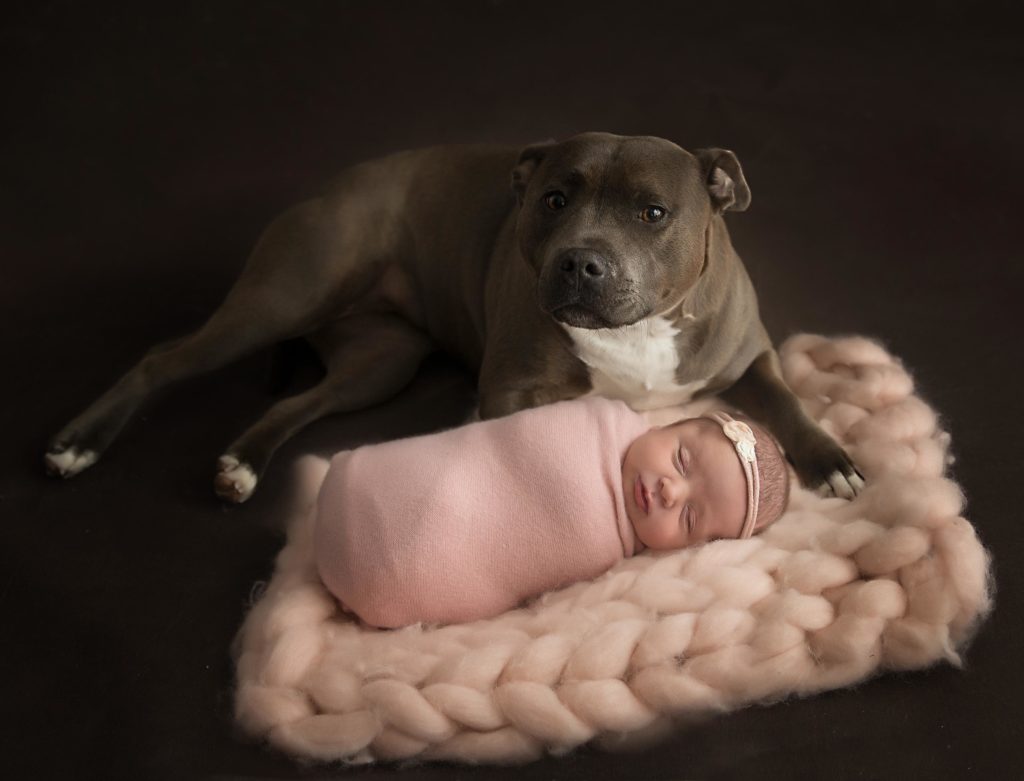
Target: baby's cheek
662, 534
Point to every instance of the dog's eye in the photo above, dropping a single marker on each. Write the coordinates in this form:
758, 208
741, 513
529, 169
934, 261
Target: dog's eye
652, 214
555, 200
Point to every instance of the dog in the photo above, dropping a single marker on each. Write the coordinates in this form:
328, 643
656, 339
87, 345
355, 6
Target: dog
604, 266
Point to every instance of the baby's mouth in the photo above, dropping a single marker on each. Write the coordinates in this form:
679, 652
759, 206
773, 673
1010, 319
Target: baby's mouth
641, 497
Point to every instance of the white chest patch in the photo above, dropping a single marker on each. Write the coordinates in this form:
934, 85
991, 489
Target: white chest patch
636, 363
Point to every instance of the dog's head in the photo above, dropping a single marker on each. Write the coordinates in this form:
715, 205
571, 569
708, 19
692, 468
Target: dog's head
615, 227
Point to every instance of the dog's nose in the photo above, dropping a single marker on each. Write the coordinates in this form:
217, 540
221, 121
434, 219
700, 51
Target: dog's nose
583, 266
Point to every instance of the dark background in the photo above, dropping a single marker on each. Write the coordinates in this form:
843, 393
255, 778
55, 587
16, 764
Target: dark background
143, 151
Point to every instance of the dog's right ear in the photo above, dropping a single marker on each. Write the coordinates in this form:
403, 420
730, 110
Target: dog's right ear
724, 179
529, 159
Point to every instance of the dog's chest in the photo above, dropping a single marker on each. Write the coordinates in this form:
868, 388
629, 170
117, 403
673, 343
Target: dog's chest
636, 363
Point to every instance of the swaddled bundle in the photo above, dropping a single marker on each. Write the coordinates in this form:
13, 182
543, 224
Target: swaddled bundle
468, 523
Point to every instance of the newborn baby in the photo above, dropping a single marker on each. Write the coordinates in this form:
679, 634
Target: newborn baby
467, 523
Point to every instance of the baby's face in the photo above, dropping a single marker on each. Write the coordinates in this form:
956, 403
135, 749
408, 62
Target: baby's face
684, 485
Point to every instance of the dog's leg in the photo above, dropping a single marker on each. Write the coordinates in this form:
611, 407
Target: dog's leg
226, 336
301, 269
513, 377
369, 358
820, 462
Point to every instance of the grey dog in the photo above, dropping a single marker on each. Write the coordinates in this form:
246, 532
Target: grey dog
603, 266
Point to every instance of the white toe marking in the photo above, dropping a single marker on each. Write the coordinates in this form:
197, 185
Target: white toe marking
242, 478
245, 480
71, 461
856, 482
61, 461
227, 462
840, 485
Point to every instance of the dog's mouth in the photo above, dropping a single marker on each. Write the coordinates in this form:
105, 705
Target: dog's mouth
577, 315
580, 317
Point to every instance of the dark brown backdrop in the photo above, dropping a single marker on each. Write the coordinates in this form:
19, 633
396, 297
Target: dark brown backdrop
145, 149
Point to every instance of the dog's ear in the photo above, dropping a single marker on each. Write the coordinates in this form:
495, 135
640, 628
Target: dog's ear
724, 179
529, 159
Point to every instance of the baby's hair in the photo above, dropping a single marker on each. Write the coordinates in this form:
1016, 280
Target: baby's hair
772, 473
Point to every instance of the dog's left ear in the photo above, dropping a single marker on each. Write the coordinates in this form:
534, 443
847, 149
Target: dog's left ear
529, 159
724, 179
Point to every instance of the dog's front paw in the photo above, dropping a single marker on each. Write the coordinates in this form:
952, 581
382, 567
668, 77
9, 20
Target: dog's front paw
824, 467
67, 460
235, 480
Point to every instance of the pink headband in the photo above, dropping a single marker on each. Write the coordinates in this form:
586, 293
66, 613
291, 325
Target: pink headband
743, 439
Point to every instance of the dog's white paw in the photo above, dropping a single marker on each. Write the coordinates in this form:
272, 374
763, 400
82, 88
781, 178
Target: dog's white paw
69, 462
843, 486
235, 480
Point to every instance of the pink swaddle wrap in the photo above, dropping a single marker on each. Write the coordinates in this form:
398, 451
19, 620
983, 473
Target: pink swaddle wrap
469, 522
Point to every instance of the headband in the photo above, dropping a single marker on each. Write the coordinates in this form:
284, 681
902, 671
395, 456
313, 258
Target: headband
743, 439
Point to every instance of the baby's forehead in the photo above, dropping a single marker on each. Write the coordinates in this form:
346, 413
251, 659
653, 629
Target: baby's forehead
703, 430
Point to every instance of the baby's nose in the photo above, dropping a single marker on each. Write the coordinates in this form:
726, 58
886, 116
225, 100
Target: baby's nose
672, 491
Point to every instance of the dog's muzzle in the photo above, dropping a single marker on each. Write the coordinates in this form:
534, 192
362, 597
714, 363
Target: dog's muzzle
581, 288
576, 286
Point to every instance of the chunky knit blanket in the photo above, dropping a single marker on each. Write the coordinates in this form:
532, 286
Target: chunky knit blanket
833, 593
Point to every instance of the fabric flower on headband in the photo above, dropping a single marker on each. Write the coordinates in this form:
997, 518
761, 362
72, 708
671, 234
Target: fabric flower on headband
741, 436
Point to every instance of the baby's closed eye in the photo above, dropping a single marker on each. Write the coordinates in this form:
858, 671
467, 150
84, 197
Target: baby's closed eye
688, 518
